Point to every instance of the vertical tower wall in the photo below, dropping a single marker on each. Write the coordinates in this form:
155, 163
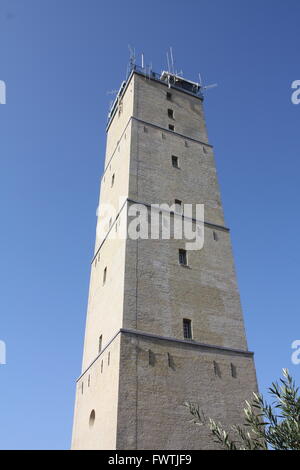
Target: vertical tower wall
147, 293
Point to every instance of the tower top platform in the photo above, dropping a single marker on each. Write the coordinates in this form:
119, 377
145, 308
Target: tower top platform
169, 79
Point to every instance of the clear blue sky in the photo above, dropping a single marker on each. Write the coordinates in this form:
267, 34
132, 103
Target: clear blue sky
59, 58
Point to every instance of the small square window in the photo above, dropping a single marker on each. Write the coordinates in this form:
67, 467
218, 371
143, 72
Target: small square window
169, 96
171, 127
175, 161
182, 257
187, 329
171, 113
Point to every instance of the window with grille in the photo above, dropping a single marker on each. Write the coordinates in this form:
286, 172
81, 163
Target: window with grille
187, 329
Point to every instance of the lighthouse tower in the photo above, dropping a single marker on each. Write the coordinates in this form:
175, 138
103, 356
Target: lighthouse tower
164, 323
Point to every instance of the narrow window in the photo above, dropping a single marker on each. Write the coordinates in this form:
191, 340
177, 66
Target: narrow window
112, 180
178, 206
151, 358
215, 235
187, 329
163, 136
175, 161
204, 150
171, 127
100, 344
110, 221
92, 418
233, 370
182, 257
82, 388
186, 143
108, 359
171, 113
101, 366
104, 275
145, 129
217, 369
89, 380
169, 96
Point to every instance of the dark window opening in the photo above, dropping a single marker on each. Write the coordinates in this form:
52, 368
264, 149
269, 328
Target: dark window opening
233, 370
171, 113
175, 161
183, 257
151, 358
215, 235
92, 418
100, 344
171, 127
178, 206
187, 329
104, 275
217, 370
169, 96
